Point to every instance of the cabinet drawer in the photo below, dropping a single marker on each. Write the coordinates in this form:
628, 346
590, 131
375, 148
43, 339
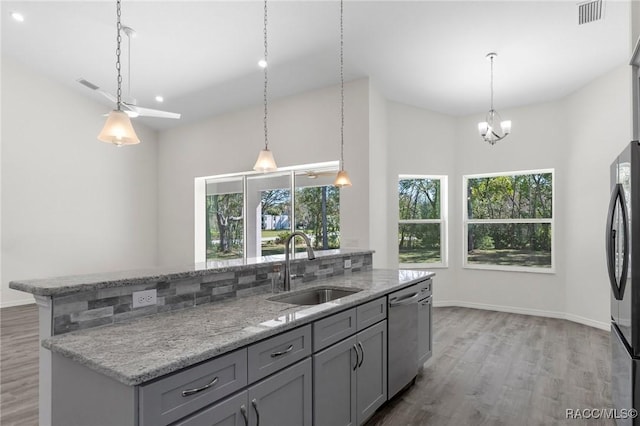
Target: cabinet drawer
180, 394
230, 412
333, 329
371, 312
273, 354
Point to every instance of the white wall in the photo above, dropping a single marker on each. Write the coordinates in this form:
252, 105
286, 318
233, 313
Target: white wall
420, 142
599, 124
303, 128
381, 239
527, 148
635, 22
70, 204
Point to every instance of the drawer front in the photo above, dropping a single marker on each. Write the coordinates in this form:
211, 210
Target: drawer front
333, 329
180, 394
273, 354
230, 412
371, 313
425, 288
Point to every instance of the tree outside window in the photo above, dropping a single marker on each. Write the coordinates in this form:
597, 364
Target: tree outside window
422, 226
509, 221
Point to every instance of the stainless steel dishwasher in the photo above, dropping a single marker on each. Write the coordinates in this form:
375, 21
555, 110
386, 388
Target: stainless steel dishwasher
403, 320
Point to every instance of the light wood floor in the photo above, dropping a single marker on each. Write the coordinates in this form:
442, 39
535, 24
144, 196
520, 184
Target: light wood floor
488, 368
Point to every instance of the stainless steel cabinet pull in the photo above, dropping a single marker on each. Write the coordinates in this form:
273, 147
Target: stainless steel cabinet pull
189, 392
255, 407
243, 411
355, 348
361, 350
277, 354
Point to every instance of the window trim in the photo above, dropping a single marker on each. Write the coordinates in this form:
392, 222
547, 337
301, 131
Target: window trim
443, 221
200, 182
466, 222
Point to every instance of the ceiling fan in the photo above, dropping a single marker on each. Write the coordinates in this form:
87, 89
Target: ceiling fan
130, 105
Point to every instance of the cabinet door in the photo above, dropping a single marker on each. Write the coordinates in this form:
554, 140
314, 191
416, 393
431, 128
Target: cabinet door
424, 331
283, 399
334, 382
230, 412
372, 370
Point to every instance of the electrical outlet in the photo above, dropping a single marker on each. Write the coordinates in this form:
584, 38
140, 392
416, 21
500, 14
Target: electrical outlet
347, 263
144, 298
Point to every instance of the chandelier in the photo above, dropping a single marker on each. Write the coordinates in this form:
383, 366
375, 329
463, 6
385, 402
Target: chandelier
493, 129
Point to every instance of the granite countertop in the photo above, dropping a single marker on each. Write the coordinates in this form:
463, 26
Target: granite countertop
175, 340
60, 286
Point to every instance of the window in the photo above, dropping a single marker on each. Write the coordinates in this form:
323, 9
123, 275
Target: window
422, 229
508, 221
247, 215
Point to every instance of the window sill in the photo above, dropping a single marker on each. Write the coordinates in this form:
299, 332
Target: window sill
423, 266
500, 268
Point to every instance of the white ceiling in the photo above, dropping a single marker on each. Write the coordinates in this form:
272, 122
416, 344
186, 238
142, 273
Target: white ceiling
202, 55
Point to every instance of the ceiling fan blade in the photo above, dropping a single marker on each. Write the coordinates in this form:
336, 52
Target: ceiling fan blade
148, 112
92, 86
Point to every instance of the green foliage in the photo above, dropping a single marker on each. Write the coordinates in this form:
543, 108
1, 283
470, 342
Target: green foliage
510, 197
224, 226
419, 198
313, 215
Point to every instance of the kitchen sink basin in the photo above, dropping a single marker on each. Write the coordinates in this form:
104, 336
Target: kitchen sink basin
314, 296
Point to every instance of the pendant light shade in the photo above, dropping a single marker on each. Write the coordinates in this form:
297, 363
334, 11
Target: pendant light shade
342, 179
265, 162
118, 130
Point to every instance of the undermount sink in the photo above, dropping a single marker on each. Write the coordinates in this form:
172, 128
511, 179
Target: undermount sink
314, 296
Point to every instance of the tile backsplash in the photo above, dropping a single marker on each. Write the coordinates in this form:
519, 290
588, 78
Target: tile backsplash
94, 308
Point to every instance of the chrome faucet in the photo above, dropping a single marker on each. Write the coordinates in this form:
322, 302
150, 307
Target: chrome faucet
287, 262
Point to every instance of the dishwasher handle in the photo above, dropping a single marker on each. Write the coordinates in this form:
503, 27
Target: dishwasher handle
407, 300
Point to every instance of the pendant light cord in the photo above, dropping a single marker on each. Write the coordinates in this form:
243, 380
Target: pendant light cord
266, 139
341, 87
492, 82
118, 43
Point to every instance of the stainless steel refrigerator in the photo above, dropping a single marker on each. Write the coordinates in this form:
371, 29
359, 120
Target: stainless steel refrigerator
622, 245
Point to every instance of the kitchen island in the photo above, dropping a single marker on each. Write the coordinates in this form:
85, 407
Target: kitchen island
104, 371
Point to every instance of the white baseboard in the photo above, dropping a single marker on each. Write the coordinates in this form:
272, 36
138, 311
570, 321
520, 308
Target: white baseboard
525, 311
19, 302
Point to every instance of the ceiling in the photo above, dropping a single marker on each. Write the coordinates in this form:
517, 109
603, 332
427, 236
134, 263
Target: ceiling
202, 55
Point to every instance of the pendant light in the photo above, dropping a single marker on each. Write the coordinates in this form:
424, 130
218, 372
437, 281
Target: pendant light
488, 129
118, 129
342, 179
265, 162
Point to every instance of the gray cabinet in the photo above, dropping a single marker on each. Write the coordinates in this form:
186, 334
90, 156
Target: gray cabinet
230, 412
175, 396
283, 399
334, 384
372, 370
350, 378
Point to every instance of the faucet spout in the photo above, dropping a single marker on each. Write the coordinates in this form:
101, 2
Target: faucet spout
287, 261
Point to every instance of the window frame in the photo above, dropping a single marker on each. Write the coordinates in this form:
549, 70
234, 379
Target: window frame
466, 222
200, 193
443, 221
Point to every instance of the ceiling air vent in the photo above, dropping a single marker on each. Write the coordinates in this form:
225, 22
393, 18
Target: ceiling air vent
589, 11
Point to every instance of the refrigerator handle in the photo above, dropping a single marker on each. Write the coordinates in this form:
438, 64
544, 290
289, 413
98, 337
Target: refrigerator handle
617, 288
